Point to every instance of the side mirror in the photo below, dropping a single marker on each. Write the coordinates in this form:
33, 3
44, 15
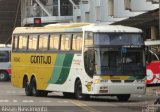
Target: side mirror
91, 61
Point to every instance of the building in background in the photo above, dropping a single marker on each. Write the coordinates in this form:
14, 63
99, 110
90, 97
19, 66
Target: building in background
23, 13
110, 11
50, 11
95, 11
9, 19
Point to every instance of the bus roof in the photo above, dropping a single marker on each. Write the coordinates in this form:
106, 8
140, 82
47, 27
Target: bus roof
5, 48
76, 27
111, 28
152, 42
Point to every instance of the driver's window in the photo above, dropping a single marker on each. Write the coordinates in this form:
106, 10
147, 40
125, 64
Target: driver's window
89, 62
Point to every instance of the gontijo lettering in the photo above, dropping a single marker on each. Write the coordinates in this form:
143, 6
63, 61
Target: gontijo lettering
40, 59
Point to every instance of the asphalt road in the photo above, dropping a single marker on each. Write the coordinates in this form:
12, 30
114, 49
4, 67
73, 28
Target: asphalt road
14, 100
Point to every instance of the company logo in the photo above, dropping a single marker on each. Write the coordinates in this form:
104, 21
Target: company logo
40, 59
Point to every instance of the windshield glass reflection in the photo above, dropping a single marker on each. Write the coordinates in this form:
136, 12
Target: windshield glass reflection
115, 61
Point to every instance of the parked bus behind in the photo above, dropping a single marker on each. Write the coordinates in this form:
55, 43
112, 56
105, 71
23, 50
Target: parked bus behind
153, 62
5, 65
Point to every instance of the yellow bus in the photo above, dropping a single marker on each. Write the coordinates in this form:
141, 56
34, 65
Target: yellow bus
79, 59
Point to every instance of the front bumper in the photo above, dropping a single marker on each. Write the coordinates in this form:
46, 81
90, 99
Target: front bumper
100, 89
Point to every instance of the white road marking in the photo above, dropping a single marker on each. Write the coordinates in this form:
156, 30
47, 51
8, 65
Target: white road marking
4, 101
31, 101
46, 101
63, 101
15, 101
26, 101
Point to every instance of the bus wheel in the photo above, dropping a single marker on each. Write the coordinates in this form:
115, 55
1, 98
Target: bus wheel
78, 91
4, 76
28, 89
123, 97
36, 92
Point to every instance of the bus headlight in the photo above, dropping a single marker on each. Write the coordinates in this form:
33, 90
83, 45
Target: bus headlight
97, 81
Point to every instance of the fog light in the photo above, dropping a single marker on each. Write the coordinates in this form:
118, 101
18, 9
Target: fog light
103, 91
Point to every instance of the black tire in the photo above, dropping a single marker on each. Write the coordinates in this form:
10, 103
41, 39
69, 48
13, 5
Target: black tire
123, 97
4, 76
28, 88
78, 92
68, 95
43, 93
36, 92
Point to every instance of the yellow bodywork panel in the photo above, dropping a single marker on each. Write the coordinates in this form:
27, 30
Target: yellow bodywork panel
32, 64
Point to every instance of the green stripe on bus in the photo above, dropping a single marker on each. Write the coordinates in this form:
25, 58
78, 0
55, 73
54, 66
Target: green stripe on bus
65, 69
137, 77
57, 68
61, 68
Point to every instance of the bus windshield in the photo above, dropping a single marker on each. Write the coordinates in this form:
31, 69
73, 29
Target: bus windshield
118, 39
120, 61
115, 54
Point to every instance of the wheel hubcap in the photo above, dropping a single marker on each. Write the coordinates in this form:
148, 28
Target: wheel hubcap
2, 76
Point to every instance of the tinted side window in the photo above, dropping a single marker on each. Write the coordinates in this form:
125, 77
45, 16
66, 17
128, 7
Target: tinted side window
89, 62
4, 56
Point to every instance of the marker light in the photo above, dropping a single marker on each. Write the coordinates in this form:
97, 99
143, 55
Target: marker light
37, 21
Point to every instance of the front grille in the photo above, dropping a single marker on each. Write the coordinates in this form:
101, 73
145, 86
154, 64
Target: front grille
116, 81
129, 81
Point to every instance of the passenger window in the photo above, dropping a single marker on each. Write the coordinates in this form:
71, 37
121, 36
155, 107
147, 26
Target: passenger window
54, 42
43, 42
77, 42
23, 42
88, 39
33, 39
4, 56
15, 42
65, 42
